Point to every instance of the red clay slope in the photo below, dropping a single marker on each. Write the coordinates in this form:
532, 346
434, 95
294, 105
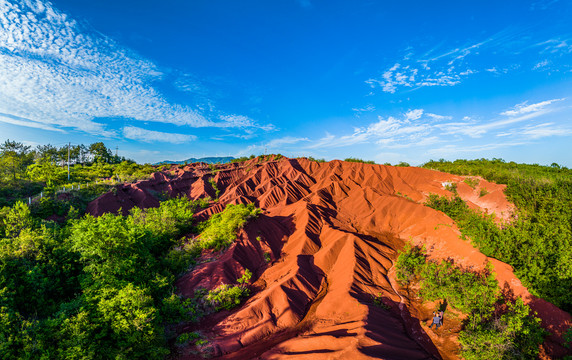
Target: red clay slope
332, 231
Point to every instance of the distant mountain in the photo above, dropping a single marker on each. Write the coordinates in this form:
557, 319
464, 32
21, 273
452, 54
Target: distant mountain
208, 160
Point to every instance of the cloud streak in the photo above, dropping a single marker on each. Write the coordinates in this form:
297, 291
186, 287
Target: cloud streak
136, 133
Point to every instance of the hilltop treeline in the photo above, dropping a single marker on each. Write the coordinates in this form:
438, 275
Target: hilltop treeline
25, 171
538, 241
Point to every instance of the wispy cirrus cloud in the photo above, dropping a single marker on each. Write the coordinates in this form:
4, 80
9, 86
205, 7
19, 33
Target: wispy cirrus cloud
62, 74
455, 149
274, 145
439, 67
519, 113
411, 77
136, 133
525, 108
16, 120
386, 131
418, 128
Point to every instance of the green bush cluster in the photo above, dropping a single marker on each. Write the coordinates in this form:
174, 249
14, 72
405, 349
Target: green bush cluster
91, 288
539, 246
220, 230
356, 160
496, 328
472, 181
216, 189
320, 160
226, 296
538, 243
243, 159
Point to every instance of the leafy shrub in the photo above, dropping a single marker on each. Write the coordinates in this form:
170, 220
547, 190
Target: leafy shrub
516, 334
242, 159
356, 160
378, 301
464, 290
322, 160
216, 189
187, 337
471, 181
567, 338
496, 328
226, 296
245, 278
220, 230
452, 187
538, 242
409, 263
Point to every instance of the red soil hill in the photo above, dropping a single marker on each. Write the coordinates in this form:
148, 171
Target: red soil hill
333, 231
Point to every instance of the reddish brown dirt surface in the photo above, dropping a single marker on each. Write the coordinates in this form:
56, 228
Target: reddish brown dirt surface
332, 231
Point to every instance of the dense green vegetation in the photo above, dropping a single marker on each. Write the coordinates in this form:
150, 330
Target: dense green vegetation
220, 230
496, 327
228, 296
356, 160
26, 172
242, 159
321, 160
538, 242
102, 288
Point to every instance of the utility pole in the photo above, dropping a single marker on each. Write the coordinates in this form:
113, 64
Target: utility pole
69, 144
116, 149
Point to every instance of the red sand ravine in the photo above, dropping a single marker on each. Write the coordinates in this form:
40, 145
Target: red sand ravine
333, 231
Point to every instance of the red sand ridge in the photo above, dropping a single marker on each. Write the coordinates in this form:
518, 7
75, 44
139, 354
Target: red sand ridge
332, 231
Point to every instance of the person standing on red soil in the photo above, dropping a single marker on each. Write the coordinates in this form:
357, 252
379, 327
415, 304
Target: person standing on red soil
436, 320
441, 317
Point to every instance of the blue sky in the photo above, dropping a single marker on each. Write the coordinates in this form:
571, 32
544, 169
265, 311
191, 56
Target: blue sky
408, 81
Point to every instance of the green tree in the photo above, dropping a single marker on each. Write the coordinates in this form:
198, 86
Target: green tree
14, 157
100, 152
46, 171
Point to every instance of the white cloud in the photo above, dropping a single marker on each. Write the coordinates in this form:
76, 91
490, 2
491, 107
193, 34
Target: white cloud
556, 46
368, 108
389, 132
275, 145
135, 133
15, 120
439, 117
452, 149
450, 67
413, 114
523, 108
417, 128
409, 76
545, 130
57, 72
541, 65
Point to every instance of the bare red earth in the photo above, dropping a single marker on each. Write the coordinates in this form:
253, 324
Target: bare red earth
332, 231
